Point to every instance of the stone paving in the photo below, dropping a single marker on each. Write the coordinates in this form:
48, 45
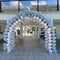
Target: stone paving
29, 49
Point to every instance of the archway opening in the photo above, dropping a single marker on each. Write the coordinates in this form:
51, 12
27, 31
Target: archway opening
29, 37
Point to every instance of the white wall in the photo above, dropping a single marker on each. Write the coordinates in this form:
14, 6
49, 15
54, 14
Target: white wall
2, 26
58, 31
5, 16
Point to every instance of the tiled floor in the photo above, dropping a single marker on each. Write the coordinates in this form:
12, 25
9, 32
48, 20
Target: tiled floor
29, 49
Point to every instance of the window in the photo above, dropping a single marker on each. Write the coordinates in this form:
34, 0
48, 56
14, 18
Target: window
41, 5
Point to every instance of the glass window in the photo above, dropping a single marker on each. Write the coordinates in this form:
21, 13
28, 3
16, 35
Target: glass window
47, 5
11, 6
41, 5
31, 4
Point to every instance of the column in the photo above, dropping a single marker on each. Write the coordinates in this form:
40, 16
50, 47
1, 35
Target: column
39, 31
35, 32
57, 5
0, 6
21, 31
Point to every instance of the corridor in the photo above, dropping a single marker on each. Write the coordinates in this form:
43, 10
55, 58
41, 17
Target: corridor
28, 48
29, 44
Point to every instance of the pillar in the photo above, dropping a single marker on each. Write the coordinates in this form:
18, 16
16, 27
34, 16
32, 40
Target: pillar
0, 6
18, 6
21, 31
35, 34
38, 32
38, 5
57, 5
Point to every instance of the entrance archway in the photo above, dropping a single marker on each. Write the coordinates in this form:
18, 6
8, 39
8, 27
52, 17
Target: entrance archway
50, 37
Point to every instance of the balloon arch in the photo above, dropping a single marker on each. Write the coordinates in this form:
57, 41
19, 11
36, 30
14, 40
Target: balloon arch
50, 36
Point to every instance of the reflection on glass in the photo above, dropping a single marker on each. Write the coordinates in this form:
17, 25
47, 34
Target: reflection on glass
44, 5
